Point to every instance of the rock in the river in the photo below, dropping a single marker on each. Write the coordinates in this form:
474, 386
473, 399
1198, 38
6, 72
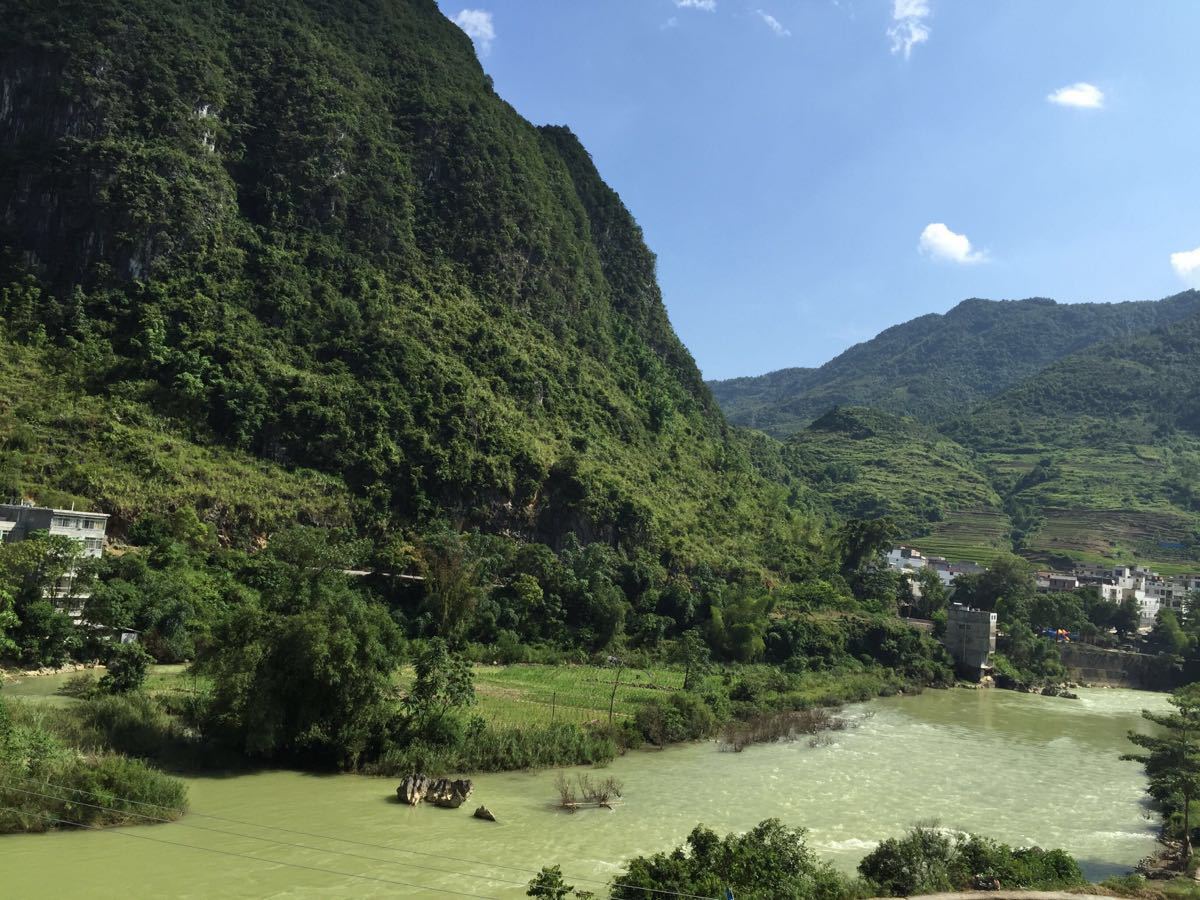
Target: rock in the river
449, 794
445, 792
412, 789
484, 813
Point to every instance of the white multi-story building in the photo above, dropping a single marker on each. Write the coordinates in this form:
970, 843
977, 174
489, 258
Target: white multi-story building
19, 520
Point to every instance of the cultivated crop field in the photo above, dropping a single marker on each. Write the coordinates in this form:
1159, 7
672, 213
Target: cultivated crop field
1111, 537
970, 535
539, 694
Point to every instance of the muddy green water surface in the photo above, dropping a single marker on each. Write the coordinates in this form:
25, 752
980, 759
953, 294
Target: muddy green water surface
1024, 769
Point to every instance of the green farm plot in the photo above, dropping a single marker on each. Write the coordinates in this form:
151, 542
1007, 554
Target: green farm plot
539, 694
975, 535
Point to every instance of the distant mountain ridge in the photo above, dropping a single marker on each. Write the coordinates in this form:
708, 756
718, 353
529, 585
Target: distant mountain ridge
937, 367
1095, 458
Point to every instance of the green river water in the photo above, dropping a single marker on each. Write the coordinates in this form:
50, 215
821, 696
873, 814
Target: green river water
1021, 768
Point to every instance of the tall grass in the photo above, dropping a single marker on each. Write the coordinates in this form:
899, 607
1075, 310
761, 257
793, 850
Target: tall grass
56, 772
780, 726
494, 749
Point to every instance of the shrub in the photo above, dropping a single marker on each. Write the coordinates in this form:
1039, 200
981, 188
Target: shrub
127, 668
131, 723
682, 717
81, 686
46, 777
495, 749
770, 860
929, 860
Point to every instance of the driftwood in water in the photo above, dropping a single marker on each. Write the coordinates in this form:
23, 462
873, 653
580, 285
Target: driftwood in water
584, 791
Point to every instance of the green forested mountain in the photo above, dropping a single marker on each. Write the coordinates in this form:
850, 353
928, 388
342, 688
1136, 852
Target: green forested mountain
938, 367
308, 236
1103, 448
1095, 458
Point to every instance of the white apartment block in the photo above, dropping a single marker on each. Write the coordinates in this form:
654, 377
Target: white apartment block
18, 521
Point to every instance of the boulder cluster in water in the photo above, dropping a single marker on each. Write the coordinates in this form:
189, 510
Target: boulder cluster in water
444, 792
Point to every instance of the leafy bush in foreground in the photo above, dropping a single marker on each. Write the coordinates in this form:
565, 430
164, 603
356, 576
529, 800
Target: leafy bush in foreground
929, 860
769, 861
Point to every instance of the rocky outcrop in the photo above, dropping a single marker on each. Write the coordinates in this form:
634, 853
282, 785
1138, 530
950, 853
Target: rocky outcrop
445, 792
486, 814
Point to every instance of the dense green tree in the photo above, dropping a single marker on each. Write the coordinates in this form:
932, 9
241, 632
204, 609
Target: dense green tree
1126, 618
452, 581
33, 574
1025, 657
930, 860
8, 622
304, 672
1168, 636
861, 541
693, 654
444, 683
738, 624
933, 594
548, 884
1007, 577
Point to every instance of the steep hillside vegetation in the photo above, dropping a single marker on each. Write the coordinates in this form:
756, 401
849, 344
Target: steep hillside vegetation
937, 367
310, 233
1104, 449
870, 464
1094, 459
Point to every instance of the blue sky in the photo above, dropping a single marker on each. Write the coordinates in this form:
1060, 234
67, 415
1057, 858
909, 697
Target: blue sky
810, 172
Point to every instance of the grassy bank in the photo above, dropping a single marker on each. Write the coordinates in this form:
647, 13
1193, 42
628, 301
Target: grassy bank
524, 717
58, 768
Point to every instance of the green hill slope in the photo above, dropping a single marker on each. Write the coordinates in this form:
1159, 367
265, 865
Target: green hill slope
1104, 449
937, 367
311, 234
870, 464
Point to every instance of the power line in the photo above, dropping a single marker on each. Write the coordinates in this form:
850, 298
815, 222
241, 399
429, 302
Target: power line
279, 862
327, 837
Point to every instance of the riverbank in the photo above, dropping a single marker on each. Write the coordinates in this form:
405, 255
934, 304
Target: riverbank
910, 758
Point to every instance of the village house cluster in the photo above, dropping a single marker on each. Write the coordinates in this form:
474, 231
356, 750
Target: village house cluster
1150, 590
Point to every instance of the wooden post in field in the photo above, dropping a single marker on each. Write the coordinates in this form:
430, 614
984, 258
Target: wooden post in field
553, 707
613, 699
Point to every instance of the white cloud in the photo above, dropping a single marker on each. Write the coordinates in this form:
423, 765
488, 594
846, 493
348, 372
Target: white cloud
774, 24
908, 25
940, 242
672, 22
1187, 265
706, 5
478, 25
1081, 95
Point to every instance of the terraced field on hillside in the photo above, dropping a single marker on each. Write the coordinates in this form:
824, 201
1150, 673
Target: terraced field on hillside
972, 535
1163, 540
